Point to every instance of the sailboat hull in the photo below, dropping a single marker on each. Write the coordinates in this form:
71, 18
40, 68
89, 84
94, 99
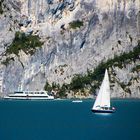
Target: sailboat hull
103, 111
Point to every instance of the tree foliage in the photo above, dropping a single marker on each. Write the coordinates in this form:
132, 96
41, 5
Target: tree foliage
1, 10
76, 24
26, 43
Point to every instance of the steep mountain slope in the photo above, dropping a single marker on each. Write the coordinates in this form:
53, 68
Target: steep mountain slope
76, 34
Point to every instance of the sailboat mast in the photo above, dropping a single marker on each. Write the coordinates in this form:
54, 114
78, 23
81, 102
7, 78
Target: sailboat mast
103, 98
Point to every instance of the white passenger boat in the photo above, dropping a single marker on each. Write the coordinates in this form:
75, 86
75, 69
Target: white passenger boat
30, 95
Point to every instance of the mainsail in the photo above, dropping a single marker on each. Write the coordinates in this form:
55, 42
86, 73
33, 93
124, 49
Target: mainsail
103, 98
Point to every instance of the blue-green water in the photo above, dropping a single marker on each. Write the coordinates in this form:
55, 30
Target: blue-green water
64, 120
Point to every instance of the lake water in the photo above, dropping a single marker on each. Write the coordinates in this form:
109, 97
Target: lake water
64, 120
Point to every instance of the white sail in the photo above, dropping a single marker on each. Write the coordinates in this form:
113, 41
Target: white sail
103, 98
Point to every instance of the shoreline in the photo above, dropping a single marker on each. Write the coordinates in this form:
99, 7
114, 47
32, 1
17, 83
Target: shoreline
91, 97
67, 99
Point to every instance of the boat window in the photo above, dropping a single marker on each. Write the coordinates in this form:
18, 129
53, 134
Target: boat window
18, 92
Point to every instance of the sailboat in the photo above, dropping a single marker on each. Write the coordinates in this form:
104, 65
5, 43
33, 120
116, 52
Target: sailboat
102, 102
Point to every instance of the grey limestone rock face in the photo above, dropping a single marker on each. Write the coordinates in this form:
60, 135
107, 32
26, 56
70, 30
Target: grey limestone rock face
110, 27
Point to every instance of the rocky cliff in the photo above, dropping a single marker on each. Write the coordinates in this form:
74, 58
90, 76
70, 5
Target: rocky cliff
77, 36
